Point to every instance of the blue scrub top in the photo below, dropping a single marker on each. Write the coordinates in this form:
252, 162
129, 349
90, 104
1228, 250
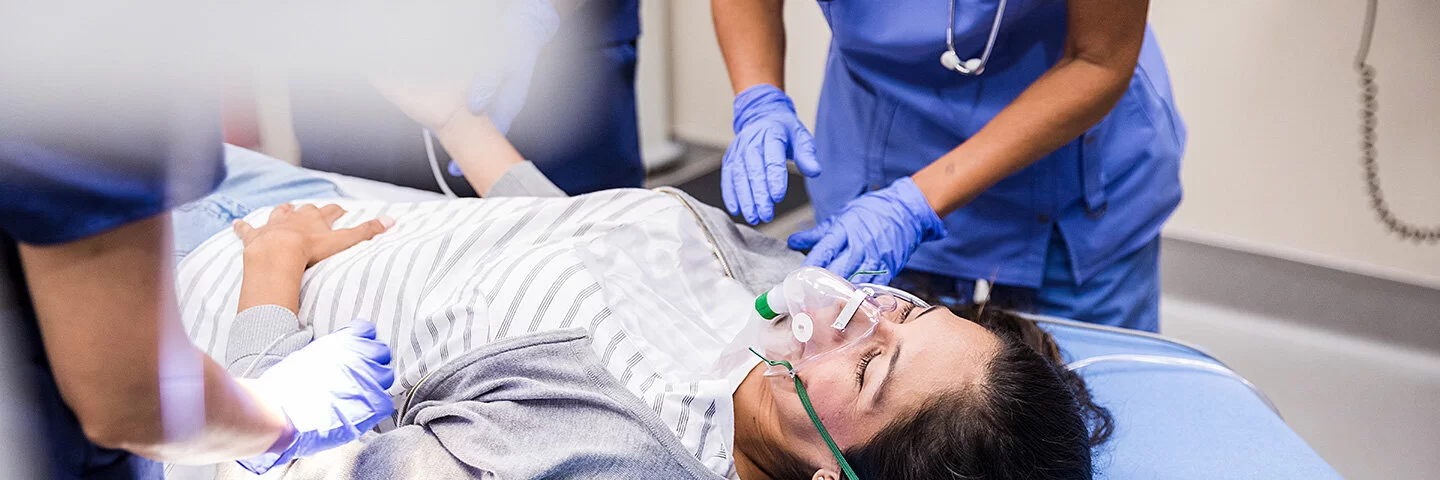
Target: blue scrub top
888, 108
59, 192
89, 142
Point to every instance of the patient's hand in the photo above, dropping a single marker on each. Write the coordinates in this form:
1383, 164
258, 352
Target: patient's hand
305, 233
277, 253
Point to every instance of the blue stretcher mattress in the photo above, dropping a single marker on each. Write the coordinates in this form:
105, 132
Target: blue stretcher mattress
1178, 422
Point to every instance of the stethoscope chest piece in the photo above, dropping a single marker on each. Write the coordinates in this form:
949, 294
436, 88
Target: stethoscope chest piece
974, 66
950, 60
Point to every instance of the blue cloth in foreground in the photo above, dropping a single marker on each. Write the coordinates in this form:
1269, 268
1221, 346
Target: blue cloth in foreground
1178, 423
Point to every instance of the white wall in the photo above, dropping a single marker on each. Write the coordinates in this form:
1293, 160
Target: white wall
702, 108
1271, 100
1267, 90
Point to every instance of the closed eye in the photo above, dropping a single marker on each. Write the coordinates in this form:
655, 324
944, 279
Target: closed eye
864, 364
904, 315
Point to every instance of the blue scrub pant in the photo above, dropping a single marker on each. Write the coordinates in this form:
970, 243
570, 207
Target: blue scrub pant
1124, 294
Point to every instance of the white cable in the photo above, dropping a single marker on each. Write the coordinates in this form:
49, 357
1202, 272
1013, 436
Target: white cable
435, 164
261, 356
1174, 362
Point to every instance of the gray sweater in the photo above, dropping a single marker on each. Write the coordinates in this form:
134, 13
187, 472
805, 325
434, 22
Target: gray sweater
534, 406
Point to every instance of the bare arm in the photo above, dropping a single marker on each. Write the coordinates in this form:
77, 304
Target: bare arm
752, 39
1101, 50
480, 150
471, 140
108, 318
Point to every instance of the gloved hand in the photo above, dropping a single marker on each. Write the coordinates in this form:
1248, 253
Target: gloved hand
877, 231
753, 176
331, 391
499, 90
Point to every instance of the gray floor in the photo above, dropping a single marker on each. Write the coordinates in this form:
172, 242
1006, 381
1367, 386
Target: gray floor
1367, 407
1352, 362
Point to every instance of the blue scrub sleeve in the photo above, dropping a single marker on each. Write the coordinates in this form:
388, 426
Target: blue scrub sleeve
54, 195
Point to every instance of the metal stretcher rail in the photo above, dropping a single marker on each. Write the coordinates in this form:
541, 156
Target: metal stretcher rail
1215, 365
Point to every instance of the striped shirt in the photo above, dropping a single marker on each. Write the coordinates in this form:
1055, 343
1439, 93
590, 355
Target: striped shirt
630, 266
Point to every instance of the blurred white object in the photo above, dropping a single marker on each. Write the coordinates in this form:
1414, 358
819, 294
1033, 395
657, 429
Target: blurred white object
982, 292
652, 88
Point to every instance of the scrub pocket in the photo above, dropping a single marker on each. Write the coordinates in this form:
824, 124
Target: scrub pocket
252, 180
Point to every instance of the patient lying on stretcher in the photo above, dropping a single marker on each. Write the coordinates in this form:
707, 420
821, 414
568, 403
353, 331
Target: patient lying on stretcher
596, 337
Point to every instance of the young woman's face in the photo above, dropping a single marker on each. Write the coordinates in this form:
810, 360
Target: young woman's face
914, 353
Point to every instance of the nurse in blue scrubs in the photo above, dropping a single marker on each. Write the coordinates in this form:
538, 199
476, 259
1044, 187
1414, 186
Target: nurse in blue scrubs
1043, 156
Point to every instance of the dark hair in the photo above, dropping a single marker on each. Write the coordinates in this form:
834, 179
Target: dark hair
1028, 418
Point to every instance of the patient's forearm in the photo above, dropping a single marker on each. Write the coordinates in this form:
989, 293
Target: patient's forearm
271, 277
480, 150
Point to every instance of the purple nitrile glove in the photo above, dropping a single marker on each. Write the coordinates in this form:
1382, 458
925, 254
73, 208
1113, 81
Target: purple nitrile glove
876, 232
767, 132
332, 391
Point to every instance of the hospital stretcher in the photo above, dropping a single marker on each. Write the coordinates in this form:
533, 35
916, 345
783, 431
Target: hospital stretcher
1195, 419
1180, 421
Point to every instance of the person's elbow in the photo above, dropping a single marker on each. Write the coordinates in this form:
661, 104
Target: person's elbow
128, 419
1113, 67
1103, 73
138, 434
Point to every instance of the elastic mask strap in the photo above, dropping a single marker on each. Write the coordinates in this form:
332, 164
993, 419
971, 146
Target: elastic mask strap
810, 410
846, 314
867, 272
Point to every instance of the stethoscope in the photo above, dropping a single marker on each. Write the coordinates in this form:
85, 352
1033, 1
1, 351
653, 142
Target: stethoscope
974, 66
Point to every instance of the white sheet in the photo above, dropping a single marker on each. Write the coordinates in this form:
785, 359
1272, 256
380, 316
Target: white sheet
364, 189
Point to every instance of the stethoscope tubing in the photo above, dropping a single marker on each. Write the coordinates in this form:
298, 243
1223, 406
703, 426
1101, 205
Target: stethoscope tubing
989, 43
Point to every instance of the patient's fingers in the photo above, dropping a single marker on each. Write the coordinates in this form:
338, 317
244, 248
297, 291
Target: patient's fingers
332, 212
280, 211
365, 231
368, 230
243, 230
344, 238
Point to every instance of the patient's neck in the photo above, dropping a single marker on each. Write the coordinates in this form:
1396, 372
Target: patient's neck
755, 427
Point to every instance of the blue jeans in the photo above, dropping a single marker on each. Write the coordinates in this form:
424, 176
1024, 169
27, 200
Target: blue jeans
1124, 294
252, 180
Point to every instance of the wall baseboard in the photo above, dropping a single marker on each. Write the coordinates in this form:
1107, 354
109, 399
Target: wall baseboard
1229, 242
1335, 300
